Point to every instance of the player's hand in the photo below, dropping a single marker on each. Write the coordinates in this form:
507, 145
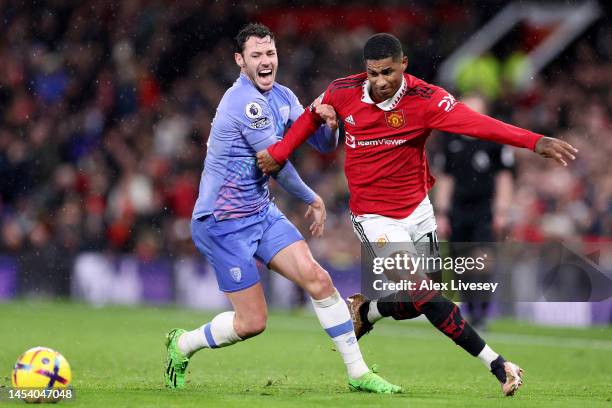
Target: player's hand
318, 100
328, 114
266, 163
557, 149
316, 210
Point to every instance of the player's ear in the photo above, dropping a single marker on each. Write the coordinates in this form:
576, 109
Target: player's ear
404, 62
239, 60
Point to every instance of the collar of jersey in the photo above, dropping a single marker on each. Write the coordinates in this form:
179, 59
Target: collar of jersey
388, 104
247, 81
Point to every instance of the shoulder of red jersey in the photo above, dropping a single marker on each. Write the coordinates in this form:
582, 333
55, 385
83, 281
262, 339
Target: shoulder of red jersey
432, 96
419, 88
349, 82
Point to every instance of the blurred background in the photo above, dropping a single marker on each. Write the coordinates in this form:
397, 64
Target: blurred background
106, 107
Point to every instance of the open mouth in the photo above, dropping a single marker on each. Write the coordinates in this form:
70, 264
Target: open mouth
265, 73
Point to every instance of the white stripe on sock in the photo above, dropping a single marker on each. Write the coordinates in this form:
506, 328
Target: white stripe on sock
373, 313
487, 356
220, 331
333, 313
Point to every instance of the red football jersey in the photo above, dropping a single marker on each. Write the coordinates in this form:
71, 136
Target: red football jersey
386, 164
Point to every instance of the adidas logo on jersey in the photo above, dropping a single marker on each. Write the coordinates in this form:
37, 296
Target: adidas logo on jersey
349, 119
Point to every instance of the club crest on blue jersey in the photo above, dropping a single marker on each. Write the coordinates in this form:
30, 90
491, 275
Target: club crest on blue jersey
284, 112
236, 274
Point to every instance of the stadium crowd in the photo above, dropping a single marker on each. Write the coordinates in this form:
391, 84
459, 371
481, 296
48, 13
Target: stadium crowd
106, 108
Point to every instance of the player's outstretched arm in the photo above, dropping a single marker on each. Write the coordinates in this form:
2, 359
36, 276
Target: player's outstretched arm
446, 114
271, 159
259, 132
557, 149
291, 182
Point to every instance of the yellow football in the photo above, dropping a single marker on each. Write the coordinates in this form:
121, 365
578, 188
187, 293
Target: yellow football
41, 369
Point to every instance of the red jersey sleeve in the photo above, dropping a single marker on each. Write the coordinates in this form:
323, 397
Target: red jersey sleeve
447, 114
304, 126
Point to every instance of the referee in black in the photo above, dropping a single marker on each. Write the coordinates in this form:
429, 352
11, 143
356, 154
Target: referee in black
472, 199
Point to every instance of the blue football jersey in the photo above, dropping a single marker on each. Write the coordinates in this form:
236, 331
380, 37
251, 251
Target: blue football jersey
246, 122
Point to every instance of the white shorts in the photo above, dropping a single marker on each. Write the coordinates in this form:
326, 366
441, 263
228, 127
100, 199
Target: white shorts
418, 229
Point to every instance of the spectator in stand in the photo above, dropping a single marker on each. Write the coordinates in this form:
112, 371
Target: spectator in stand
95, 95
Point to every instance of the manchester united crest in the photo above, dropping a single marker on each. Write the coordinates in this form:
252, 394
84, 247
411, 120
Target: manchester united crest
395, 119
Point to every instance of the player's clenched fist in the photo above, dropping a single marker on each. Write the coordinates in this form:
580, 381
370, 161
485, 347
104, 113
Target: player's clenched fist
328, 114
266, 163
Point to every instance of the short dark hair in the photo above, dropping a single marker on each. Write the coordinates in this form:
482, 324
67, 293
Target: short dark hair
252, 30
381, 46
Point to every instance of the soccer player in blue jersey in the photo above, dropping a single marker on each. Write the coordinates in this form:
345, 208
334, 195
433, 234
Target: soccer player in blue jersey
234, 220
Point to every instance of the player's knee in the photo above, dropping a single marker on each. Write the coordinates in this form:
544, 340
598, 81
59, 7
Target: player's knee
253, 325
317, 283
405, 272
257, 325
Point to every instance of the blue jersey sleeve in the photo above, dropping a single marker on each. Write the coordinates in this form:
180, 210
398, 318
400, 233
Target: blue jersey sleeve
256, 122
290, 181
324, 139
257, 128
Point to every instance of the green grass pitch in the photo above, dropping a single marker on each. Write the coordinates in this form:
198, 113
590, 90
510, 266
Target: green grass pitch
117, 355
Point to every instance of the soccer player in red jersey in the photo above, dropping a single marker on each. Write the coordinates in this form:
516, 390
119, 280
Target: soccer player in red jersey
388, 115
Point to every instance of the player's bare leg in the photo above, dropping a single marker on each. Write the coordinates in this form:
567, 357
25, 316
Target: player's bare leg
296, 263
251, 311
248, 319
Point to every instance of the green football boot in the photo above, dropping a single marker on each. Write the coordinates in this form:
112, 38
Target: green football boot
176, 361
371, 382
